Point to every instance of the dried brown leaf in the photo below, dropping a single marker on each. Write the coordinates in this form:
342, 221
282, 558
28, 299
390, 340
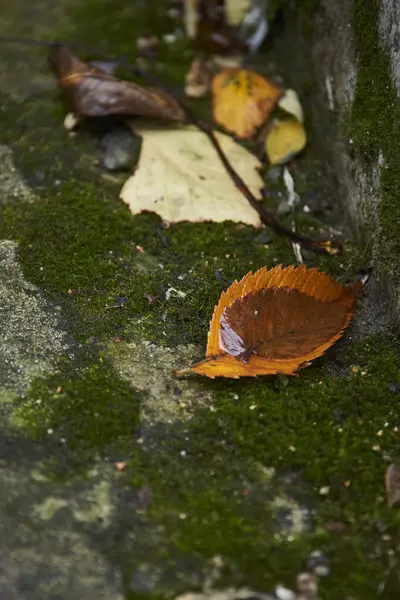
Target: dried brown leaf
92, 92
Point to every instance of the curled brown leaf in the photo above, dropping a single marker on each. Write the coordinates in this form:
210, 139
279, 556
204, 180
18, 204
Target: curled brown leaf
91, 92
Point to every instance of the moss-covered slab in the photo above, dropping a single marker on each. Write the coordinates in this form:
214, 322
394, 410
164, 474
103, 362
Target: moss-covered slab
32, 338
119, 480
46, 549
354, 50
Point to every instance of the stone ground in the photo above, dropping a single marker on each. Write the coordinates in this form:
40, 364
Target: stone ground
229, 489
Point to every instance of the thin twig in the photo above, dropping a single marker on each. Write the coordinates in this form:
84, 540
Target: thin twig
293, 201
268, 218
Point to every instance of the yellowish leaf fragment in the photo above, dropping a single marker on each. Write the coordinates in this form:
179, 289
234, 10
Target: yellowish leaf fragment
290, 103
181, 178
285, 139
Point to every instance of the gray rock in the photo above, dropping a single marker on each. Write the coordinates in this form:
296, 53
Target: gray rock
120, 149
318, 563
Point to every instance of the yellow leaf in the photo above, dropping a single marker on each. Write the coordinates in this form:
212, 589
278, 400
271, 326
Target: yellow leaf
284, 140
236, 10
291, 104
242, 100
181, 178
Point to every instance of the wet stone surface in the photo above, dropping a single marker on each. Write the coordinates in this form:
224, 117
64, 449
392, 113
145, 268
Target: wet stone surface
118, 480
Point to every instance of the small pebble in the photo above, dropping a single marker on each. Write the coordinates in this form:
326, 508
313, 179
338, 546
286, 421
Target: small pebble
262, 239
70, 122
120, 301
147, 44
318, 563
322, 570
119, 149
307, 584
170, 38
283, 593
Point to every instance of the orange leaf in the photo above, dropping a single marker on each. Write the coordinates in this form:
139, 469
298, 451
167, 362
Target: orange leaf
275, 321
242, 100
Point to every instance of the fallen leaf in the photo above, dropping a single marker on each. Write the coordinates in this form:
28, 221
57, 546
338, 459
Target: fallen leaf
290, 103
285, 139
392, 482
275, 321
181, 178
91, 92
242, 100
120, 466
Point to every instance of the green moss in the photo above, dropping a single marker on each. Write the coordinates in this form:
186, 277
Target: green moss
375, 127
214, 500
212, 490
83, 412
78, 242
